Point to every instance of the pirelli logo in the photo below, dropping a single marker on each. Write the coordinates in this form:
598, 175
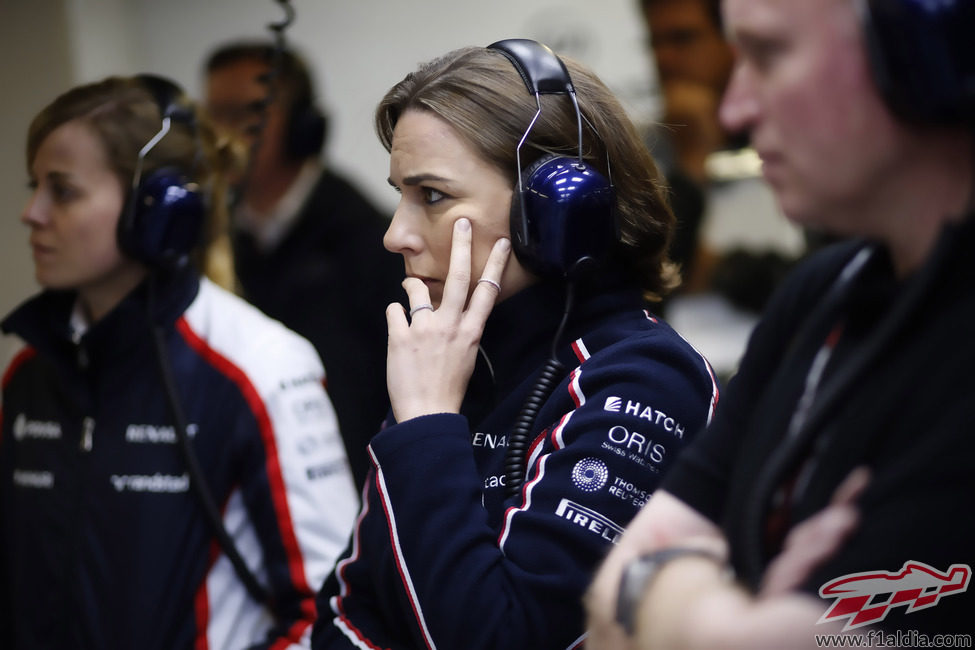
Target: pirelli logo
592, 521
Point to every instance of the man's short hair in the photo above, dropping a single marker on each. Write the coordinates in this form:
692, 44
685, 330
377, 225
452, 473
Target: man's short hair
292, 75
713, 8
307, 125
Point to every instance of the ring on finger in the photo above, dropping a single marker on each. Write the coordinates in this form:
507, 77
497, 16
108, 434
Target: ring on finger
491, 282
425, 305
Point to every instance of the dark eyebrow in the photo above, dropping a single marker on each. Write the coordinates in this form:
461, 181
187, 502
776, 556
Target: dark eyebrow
53, 176
419, 179
56, 175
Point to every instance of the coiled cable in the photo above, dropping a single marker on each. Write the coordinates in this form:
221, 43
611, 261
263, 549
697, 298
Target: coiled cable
516, 455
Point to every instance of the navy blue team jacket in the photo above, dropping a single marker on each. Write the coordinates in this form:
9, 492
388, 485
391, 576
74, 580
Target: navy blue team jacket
440, 558
103, 544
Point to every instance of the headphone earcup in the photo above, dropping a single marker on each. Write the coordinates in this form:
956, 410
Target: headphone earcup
163, 220
922, 58
563, 222
306, 131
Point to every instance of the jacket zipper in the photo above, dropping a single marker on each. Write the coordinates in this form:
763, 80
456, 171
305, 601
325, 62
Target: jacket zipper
87, 428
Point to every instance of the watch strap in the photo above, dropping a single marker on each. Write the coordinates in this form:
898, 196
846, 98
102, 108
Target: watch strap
640, 573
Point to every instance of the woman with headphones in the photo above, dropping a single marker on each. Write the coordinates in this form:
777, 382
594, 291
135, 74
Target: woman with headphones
536, 399
172, 473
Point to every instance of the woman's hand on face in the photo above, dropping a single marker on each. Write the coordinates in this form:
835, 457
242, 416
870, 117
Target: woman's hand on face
431, 354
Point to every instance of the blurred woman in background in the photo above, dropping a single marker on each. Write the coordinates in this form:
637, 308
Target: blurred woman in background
172, 474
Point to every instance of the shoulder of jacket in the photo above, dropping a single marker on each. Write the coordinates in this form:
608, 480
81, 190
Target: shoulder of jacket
239, 333
644, 338
24, 354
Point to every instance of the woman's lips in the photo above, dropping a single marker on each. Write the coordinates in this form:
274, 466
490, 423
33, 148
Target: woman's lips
41, 251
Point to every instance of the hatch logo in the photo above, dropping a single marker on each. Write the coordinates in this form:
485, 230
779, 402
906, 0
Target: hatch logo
868, 597
615, 404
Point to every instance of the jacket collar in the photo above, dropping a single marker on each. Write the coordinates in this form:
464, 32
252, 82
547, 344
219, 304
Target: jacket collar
44, 321
518, 335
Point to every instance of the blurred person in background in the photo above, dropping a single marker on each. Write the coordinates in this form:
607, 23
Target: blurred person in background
837, 474
171, 471
732, 242
307, 243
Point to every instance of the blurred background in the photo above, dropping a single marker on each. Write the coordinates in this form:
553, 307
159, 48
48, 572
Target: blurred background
357, 49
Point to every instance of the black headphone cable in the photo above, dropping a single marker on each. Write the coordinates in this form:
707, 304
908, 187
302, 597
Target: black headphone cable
194, 471
270, 80
515, 459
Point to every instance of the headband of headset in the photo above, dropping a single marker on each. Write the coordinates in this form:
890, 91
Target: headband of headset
165, 210
540, 68
563, 221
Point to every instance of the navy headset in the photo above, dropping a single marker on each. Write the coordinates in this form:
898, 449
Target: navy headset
563, 224
165, 211
160, 225
563, 216
922, 57
307, 125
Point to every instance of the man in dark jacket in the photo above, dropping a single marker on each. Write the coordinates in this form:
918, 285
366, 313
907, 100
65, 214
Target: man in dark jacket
860, 367
308, 244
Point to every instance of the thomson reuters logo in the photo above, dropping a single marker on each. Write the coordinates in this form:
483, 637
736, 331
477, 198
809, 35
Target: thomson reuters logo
590, 474
38, 429
916, 586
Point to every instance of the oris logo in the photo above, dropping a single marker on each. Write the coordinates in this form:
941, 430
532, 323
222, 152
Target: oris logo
636, 445
590, 474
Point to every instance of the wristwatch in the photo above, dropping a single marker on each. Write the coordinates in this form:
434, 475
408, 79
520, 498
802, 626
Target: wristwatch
639, 574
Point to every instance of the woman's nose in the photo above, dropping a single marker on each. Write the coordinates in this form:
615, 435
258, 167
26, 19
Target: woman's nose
401, 237
34, 213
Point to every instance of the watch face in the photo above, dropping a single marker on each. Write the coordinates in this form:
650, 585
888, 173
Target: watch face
633, 582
